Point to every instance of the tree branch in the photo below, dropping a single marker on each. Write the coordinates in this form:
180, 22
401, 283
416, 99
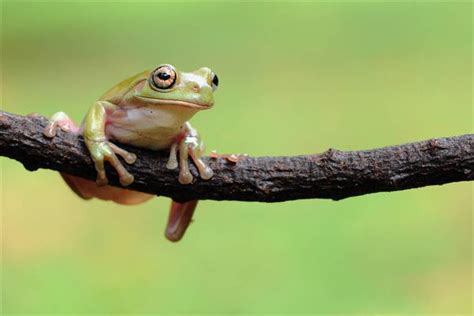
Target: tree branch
333, 174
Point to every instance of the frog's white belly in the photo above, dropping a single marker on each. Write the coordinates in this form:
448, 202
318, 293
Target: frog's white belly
148, 127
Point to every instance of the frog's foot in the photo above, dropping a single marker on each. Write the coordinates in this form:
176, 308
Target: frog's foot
62, 121
102, 151
204, 170
191, 146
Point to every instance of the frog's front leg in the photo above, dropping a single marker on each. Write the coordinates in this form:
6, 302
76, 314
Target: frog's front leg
189, 145
101, 149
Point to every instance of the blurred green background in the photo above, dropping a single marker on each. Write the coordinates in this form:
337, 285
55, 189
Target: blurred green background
295, 79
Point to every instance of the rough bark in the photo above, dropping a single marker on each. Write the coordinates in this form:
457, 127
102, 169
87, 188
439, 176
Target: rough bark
333, 174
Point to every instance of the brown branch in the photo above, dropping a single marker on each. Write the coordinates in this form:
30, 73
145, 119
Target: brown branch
334, 174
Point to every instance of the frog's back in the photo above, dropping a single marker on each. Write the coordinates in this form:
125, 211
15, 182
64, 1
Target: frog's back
116, 93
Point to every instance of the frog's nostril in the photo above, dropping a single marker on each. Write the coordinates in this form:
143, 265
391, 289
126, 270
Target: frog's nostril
195, 87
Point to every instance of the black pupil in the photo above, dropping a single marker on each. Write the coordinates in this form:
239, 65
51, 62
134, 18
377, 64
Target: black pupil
163, 75
215, 80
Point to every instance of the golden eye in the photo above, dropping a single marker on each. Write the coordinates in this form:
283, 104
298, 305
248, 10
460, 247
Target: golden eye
215, 82
163, 77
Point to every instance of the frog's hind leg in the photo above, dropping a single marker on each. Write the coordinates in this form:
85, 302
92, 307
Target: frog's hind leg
88, 189
62, 121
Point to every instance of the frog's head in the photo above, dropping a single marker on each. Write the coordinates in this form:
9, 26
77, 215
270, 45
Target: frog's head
168, 86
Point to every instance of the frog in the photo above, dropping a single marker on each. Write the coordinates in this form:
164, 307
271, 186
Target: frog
149, 110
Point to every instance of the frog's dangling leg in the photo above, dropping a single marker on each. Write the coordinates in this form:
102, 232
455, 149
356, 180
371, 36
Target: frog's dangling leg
180, 217
62, 121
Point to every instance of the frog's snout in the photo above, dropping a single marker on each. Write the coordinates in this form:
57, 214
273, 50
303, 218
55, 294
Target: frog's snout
201, 92
203, 89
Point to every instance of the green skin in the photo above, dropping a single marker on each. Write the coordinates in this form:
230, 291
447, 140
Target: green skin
141, 112
135, 113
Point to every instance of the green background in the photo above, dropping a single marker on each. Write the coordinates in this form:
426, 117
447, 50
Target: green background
295, 79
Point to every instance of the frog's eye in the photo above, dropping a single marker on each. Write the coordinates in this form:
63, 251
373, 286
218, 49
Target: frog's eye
164, 77
215, 82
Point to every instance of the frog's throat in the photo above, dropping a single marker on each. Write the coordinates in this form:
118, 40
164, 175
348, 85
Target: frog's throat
173, 102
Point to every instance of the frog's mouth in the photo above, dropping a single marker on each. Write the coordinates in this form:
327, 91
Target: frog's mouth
174, 102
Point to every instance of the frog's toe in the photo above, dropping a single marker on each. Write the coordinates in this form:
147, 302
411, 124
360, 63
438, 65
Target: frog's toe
129, 157
172, 160
206, 173
172, 164
101, 180
126, 179
185, 177
50, 130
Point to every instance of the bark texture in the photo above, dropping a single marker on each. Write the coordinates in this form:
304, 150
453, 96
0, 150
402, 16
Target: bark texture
333, 174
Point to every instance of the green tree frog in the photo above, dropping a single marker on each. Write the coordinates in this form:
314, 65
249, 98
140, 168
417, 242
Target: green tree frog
149, 110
